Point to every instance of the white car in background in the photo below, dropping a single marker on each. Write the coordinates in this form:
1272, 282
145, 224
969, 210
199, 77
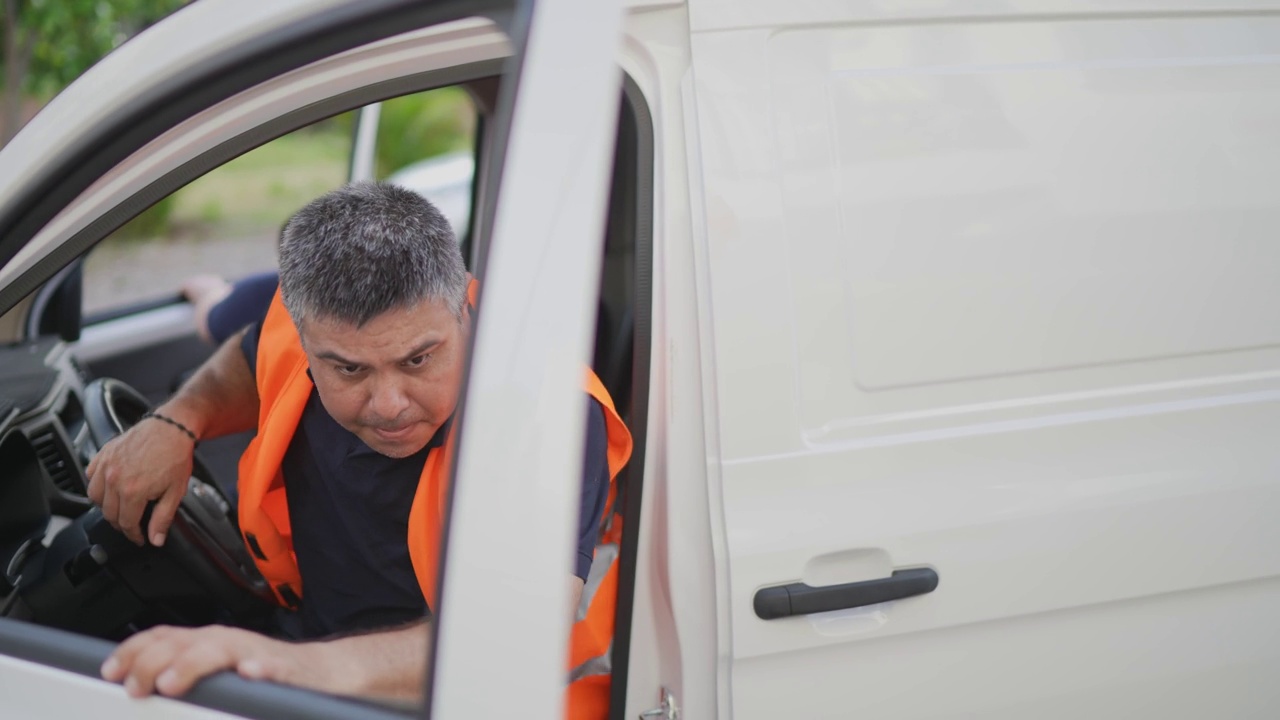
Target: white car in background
446, 181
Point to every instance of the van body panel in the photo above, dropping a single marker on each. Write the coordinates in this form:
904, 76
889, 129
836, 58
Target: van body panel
719, 15
996, 297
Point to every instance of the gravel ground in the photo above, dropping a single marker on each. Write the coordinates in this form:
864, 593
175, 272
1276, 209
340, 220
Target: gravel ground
124, 272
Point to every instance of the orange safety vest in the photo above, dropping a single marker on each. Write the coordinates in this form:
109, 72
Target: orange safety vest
283, 390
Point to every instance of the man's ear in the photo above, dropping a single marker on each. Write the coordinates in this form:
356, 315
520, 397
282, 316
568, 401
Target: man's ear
473, 292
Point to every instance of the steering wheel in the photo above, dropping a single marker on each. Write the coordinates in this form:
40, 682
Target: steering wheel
202, 574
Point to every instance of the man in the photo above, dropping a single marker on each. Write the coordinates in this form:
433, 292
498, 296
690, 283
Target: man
351, 381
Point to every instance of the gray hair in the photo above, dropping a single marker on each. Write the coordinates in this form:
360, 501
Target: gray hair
367, 248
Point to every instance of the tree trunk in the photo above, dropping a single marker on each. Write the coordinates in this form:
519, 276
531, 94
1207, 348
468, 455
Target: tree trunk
17, 58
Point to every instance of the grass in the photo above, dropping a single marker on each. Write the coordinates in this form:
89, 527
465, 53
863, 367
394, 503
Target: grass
262, 188
259, 190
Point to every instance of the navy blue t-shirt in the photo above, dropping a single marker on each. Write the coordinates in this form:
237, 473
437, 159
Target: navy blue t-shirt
349, 512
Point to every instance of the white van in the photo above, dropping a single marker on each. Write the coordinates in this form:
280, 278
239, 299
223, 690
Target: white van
949, 333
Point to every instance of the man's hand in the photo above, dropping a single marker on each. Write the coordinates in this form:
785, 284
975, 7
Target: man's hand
152, 461
170, 660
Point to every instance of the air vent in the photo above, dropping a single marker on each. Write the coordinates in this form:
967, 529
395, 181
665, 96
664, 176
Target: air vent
53, 456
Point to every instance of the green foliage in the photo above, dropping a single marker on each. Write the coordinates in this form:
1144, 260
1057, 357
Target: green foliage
152, 222
252, 194
211, 212
344, 125
416, 127
45, 44
259, 190
66, 37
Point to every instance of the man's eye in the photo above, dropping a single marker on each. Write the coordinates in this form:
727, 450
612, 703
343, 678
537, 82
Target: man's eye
348, 369
418, 361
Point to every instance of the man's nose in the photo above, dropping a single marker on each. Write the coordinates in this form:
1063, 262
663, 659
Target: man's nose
388, 400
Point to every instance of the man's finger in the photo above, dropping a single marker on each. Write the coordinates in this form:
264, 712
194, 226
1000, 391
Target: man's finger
96, 483
120, 662
153, 660
162, 515
110, 509
150, 655
203, 657
129, 516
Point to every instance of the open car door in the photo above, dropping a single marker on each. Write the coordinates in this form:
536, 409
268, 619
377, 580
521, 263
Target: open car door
504, 616
95, 160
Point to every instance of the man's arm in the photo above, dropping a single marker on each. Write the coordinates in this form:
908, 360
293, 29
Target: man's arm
384, 665
221, 398
387, 665
152, 461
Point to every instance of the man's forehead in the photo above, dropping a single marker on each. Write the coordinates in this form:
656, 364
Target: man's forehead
395, 330
424, 312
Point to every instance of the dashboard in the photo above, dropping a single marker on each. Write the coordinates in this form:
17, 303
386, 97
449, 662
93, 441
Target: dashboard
61, 563
44, 440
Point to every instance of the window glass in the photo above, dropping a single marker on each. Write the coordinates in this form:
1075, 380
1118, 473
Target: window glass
224, 223
426, 142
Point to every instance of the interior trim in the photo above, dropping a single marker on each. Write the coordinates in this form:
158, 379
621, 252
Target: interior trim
134, 308
172, 321
642, 195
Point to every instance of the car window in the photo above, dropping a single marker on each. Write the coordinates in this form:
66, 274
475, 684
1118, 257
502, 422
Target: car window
224, 222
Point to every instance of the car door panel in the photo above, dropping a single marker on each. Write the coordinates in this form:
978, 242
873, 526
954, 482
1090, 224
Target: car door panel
159, 338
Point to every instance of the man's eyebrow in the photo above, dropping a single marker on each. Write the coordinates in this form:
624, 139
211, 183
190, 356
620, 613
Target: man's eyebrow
424, 346
330, 355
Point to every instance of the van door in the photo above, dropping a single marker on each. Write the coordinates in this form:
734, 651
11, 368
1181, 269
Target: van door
997, 352
504, 616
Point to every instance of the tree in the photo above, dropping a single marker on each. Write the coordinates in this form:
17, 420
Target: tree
48, 43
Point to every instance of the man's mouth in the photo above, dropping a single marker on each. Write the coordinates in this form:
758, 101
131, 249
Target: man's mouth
393, 434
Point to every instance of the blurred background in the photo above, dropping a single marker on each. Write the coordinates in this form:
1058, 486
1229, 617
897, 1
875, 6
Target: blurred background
225, 222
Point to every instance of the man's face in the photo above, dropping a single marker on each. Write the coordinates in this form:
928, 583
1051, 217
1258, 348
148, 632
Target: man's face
394, 381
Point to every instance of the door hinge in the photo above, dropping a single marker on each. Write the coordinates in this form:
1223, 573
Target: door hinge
668, 710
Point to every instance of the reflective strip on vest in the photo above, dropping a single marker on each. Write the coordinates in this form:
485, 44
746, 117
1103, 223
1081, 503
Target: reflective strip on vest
605, 557
605, 554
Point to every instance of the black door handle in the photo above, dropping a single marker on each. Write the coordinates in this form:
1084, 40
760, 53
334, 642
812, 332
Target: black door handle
800, 599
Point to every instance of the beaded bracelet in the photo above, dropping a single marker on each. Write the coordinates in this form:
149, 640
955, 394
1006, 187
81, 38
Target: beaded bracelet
172, 422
